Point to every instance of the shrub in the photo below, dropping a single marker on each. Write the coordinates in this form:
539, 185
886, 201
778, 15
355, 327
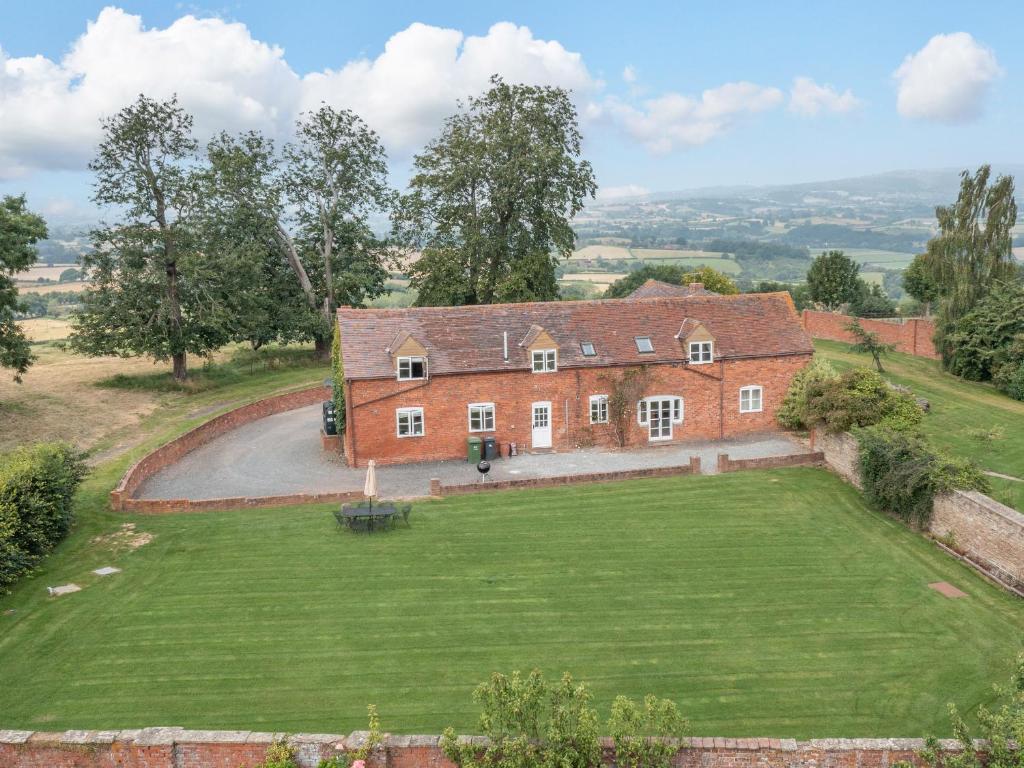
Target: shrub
901, 474
859, 398
645, 736
530, 722
37, 486
338, 382
793, 412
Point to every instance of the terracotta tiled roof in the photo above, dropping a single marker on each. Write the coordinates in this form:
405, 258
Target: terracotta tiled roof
656, 289
470, 338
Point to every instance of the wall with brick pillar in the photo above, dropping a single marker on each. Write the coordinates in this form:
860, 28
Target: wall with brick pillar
912, 336
178, 748
726, 464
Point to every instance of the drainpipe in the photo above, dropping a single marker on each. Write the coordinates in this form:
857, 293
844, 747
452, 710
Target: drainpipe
721, 400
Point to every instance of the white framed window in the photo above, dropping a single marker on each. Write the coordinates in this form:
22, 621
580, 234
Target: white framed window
545, 360
660, 405
751, 399
599, 409
701, 352
481, 417
409, 421
410, 368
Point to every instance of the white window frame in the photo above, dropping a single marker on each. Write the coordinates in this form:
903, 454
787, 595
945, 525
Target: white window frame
749, 391
484, 408
548, 359
643, 409
698, 359
411, 412
408, 359
601, 401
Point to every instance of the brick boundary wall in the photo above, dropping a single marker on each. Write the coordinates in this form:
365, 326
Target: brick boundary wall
725, 464
438, 489
179, 748
912, 336
121, 497
989, 535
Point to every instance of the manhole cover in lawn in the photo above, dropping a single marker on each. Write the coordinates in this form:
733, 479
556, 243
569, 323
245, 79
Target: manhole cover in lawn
947, 589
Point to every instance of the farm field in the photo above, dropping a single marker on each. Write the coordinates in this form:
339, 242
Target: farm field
957, 408
770, 602
886, 259
608, 252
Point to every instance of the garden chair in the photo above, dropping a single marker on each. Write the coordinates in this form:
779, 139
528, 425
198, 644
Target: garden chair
406, 509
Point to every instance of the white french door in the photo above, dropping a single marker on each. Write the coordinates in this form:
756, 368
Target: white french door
541, 425
660, 419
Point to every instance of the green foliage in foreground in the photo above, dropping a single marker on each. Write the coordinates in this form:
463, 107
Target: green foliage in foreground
37, 485
838, 403
762, 602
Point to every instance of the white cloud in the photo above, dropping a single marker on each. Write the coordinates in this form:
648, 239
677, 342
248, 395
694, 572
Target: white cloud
629, 74
808, 98
626, 190
50, 110
947, 80
676, 121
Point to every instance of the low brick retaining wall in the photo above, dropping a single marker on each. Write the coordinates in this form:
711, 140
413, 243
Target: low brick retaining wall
168, 506
178, 748
988, 534
725, 464
912, 336
438, 489
167, 454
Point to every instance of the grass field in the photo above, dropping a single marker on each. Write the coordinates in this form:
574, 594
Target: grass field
957, 408
886, 259
764, 603
45, 329
609, 252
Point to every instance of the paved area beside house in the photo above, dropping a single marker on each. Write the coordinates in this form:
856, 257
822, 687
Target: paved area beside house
281, 454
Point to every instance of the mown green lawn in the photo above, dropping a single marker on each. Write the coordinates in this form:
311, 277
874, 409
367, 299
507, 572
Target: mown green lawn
765, 603
958, 407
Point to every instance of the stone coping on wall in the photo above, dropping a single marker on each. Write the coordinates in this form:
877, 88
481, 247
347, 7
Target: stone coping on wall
122, 497
177, 748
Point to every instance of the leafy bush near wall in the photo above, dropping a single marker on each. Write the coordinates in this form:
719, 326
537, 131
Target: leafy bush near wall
902, 474
338, 381
37, 486
857, 398
793, 411
531, 722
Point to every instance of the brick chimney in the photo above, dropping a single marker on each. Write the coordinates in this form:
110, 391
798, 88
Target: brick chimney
696, 287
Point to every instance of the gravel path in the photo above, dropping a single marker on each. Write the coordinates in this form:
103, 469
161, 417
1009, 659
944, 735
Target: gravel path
281, 454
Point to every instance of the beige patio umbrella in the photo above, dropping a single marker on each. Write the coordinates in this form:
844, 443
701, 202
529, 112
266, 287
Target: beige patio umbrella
370, 487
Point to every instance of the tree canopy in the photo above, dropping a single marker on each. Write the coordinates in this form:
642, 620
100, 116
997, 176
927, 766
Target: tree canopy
491, 199
712, 279
20, 230
834, 280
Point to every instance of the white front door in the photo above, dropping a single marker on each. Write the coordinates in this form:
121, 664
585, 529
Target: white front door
541, 425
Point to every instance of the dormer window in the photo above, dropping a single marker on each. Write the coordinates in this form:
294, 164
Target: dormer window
643, 344
545, 360
587, 348
701, 352
410, 368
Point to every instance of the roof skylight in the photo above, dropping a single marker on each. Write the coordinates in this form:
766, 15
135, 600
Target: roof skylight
643, 344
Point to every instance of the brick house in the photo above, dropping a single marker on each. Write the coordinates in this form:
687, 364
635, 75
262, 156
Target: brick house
548, 376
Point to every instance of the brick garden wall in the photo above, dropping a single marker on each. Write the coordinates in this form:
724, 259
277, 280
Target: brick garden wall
121, 497
178, 748
987, 533
912, 336
726, 464
711, 409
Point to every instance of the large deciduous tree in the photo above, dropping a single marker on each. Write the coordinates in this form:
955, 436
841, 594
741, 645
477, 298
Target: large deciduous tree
152, 289
20, 230
491, 200
833, 280
973, 250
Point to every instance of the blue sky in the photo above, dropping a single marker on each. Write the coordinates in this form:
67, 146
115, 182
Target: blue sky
708, 97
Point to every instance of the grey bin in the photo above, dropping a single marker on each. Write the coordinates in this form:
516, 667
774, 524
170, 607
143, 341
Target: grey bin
474, 450
490, 448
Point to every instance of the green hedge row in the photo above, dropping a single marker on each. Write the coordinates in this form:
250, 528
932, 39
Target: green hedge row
37, 486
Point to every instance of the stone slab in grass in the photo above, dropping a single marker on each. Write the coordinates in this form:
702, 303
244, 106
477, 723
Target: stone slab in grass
947, 589
63, 589
107, 570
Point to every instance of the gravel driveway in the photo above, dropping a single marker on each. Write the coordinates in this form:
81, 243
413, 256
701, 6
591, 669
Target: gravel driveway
281, 454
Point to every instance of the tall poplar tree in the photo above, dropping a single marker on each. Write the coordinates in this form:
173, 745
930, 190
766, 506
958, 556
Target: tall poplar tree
492, 199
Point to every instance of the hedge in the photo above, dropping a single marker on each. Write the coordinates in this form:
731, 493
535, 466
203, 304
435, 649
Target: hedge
37, 487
